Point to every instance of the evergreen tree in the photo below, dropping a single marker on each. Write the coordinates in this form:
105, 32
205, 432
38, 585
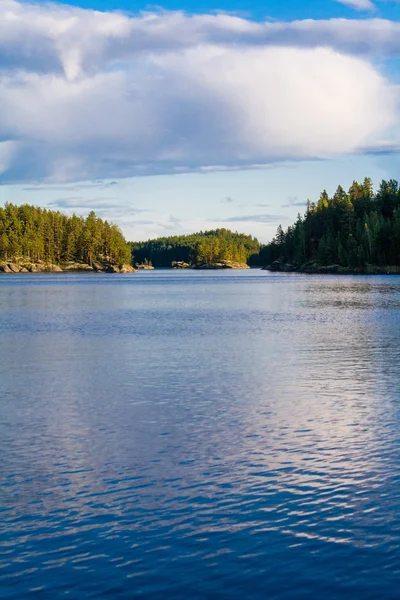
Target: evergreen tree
199, 248
43, 235
351, 229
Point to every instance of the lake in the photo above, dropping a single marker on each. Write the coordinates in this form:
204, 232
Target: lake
200, 434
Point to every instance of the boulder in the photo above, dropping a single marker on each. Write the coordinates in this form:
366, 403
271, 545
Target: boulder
276, 266
96, 266
112, 269
24, 270
180, 264
128, 269
280, 266
73, 266
309, 267
34, 268
13, 267
4, 268
50, 268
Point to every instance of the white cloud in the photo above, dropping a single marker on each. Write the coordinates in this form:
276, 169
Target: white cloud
60, 38
358, 4
87, 95
6, 155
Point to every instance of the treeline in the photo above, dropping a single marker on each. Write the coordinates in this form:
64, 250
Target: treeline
46, 235
351, 229
197, 248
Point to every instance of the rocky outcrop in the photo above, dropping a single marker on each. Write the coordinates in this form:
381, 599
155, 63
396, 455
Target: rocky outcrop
4, 268
312, 268
127, 269
50, 268
107, 267
145, 267
25, 266
180, 264
223, 264
41, 268
34, 268
122, 269
13, 267
73, 266
279, 266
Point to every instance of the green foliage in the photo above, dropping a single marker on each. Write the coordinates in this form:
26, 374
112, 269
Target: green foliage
40, 234
197, 248
350, 229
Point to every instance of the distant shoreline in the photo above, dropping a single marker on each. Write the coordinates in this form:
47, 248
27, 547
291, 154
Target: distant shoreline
312, 268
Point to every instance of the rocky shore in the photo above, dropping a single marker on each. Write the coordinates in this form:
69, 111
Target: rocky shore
223, 264
26, 266
280, 266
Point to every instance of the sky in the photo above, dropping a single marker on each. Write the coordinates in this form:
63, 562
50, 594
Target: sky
195, 115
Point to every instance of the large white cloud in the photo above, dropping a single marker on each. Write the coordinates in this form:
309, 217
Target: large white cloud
53, 38
85, 94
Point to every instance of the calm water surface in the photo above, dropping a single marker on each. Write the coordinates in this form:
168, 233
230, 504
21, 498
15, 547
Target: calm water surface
199, 435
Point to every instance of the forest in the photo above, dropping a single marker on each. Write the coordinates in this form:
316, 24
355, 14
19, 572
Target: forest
198, 248
38, 234
350, 229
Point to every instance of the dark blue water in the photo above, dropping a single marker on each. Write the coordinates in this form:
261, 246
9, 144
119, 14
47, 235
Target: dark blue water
199, 435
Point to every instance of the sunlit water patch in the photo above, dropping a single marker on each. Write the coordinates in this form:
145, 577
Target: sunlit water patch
199, 435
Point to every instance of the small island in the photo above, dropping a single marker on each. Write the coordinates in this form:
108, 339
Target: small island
145, 266
205, 250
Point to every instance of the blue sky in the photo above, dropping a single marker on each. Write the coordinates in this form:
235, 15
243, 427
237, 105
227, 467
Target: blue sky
188, 117
269, 9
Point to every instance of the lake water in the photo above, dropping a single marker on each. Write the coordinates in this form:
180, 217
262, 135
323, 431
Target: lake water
199, 435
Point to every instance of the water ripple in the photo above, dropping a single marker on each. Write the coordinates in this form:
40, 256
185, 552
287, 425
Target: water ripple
199, 436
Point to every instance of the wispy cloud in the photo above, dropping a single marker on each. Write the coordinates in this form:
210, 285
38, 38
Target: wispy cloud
107, 207
262, 218
79, 186
294, 201
85, 203
172, 224
261, 205
358, 4
143, 222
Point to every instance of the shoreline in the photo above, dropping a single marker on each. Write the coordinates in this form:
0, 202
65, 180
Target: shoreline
313, 268
23, 266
